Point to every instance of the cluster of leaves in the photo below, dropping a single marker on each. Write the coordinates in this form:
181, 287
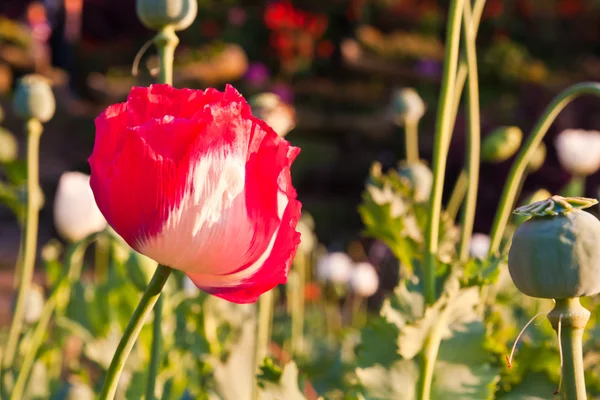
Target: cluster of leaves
476, 317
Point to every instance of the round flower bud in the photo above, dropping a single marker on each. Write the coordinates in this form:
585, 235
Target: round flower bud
9, 147
421, 180
156, 14
407, 105
274, 111
501, 144
34, 98
364, 280
537, 160
579, 151
335, 268
555, 254
480, 246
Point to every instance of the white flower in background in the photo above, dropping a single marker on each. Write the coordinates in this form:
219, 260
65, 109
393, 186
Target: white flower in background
407, 105
364, 280
335, 268
278, 114
579, 151
480, 246
34, 304
76, 214
308, 239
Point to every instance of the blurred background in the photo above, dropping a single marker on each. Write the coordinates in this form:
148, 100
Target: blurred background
336, 65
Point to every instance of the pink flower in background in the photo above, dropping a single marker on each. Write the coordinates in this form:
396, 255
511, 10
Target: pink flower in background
193, 180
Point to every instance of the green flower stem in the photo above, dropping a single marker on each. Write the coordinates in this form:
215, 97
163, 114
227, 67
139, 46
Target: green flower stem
429, 356
101, 258
473, 138
74, 262
25, 269
266, 303
573, 318
132, 331
443, 135
461, 75
458, 195
155, 354
300, 263
519, 167
411, 136
575, 187
166, 42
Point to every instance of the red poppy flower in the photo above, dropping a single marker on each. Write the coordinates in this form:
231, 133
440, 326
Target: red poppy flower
191, 179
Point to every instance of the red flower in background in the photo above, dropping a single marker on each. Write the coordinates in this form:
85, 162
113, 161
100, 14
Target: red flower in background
191, 179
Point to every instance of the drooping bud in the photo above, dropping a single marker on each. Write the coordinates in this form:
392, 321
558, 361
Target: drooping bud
278, 114
555, 253
34, 98
407, 105
9, 147
501, 144
157, 14
579, 151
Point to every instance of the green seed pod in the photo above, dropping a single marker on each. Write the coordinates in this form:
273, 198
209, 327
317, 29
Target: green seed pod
34, 98
501, 144
407, 105
538, 195
157, 14
555, 254
9, 148
537, 160
421, 180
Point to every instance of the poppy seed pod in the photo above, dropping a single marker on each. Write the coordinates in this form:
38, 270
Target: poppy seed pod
34, 98
555, 253
157, 14
421, 180
501, 144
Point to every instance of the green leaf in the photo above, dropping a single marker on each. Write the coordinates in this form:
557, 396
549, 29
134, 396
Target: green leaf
378, 344
396, 382
286, 388
535, 386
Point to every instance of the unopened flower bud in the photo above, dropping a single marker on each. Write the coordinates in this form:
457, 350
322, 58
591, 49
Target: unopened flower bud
278, 114
579, 151
335, 268
76, 214
364, 280
34, 98
9, 147
407, 105
157, 14
555, 253
501, 144
421, 180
